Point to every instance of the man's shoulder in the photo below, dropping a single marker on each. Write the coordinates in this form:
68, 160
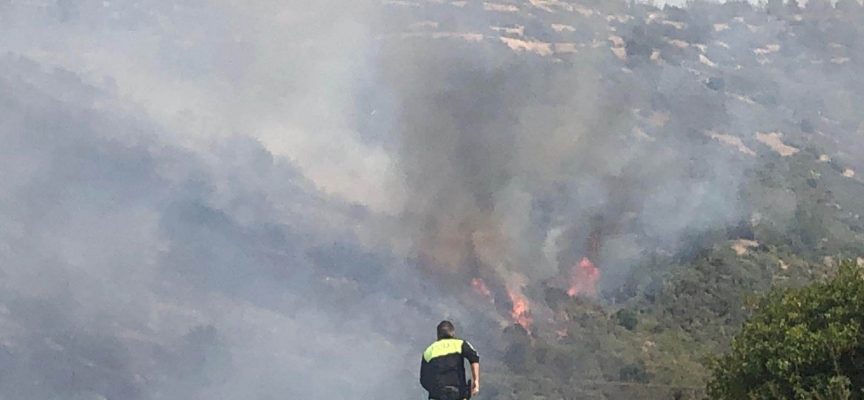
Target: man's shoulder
430, 347
453, 342
443, 347
468, 345
446, 342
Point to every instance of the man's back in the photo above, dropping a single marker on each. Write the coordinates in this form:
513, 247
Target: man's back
443, 366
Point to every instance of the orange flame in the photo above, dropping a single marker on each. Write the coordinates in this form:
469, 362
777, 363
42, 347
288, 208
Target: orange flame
480, 287
583, 280
521, 312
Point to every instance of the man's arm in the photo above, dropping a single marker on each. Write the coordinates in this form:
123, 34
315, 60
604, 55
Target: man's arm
471, 355
425, 376
475, 372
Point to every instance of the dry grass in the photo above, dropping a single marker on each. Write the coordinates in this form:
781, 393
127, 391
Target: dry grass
508, 8
773, 140
742, 246
541, 48
732, 141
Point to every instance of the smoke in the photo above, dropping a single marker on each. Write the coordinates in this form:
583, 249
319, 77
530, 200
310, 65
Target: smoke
184, 206
134, 268
505, 156
279, 199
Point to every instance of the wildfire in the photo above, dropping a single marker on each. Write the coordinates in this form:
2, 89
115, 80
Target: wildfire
521, 312
583, 279
480, 287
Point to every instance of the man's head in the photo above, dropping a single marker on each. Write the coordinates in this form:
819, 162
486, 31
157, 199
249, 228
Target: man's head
446, 330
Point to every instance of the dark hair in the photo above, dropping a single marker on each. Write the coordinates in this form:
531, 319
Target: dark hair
446, 330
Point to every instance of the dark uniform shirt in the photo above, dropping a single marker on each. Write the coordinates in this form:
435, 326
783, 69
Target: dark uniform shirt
444, 365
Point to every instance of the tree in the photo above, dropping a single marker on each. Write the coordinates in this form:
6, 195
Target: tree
627, 318
800, 343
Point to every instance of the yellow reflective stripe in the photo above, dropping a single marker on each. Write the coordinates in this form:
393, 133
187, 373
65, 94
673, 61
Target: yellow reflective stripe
442, 348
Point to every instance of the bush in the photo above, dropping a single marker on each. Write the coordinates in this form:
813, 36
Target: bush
634, 373
804, 343
627, 319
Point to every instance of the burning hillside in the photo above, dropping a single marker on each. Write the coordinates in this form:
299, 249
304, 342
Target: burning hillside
583, 279
189, 186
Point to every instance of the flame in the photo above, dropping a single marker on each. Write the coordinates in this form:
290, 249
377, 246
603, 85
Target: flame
521, 312
480, 287
583, 280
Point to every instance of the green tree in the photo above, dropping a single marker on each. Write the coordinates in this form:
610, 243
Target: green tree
627, 318
800, 343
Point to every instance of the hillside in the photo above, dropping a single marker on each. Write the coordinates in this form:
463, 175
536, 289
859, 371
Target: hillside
765, 99
260, 200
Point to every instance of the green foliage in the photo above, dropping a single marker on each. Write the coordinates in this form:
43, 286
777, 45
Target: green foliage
801, 343
634, 373
627, 319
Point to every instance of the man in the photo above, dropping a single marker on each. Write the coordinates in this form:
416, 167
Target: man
442, 371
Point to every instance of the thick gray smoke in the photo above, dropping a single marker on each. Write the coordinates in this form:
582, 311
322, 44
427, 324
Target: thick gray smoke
169, 225
134, 268
517, 163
